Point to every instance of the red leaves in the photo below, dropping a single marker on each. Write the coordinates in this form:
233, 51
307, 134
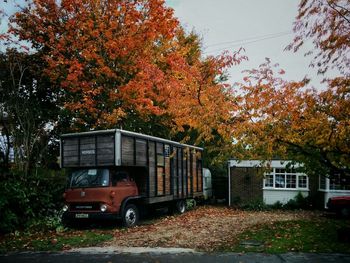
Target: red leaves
326, 24
114, 57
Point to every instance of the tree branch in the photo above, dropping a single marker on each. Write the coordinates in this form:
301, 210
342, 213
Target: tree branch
335, 9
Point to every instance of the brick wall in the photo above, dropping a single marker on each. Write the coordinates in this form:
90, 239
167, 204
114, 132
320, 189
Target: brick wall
246, 184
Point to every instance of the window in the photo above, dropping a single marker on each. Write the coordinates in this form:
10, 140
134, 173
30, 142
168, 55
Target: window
338, 182
269, 180
160, 159
285, 179
322, 182
302, 181
89, 178
167, 150
280, 181
120, 176
291, 181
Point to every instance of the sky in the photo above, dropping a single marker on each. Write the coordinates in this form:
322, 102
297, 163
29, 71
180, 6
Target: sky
262, 28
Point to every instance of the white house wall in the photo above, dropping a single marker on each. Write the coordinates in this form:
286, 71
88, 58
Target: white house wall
271, 196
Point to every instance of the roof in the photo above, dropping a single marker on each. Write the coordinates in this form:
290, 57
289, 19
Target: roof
262, 163
129, 133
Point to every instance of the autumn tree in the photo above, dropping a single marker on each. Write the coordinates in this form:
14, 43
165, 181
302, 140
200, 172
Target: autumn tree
115, 60
326, 23
288, 119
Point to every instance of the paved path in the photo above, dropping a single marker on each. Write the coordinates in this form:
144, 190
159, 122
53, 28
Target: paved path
159, 255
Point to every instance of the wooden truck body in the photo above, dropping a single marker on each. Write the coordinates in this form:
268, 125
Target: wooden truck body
115, 173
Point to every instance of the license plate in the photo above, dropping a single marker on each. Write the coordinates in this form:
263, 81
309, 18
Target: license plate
81, 215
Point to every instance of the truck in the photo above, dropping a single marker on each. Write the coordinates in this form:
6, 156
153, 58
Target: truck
340, 205
116, 174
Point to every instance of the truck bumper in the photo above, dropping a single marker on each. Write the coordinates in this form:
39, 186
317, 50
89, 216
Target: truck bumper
90, 216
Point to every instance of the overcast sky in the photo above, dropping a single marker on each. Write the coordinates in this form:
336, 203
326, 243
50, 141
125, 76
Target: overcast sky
262, 28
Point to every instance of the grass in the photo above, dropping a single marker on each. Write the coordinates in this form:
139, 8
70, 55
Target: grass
294, 236
52, 241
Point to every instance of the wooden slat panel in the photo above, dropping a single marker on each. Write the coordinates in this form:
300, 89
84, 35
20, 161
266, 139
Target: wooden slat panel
88, 160
152, 169
167, 176
175, 172
105, 150
194, 171
87, 151
188, 171
70, 152
127, 150
141, 152
160, 148
199, 170
160, 180
179, 162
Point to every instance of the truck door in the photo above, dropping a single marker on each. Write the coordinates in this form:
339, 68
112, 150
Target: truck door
123, 186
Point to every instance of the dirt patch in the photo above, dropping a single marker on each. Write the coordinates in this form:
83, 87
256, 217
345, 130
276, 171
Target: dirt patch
205, 228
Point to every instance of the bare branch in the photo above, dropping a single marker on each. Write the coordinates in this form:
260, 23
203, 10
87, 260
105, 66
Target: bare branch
340, 13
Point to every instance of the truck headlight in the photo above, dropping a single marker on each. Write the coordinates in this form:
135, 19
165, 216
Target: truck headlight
65, 208
103, 208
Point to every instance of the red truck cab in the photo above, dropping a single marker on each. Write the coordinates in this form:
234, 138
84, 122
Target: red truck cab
98, 193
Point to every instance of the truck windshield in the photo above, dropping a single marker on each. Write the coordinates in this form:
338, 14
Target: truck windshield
89, 178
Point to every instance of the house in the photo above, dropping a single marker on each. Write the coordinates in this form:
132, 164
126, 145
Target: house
278, 181
336, 185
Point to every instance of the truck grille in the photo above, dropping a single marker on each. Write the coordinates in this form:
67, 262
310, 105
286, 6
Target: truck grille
84, 206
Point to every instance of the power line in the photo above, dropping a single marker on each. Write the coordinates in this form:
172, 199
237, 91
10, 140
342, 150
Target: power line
245, 42
248, 38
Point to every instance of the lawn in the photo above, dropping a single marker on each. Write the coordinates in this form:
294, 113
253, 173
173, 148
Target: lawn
293, 236
53, 241
205, 228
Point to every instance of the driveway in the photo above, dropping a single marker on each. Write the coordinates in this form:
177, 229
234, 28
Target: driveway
206, 228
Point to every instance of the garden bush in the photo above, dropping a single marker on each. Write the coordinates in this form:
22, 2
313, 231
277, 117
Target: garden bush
27, 200
298, 202
255, 205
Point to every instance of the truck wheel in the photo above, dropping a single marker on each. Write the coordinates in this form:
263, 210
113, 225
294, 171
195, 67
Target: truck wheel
180, 206
130, 216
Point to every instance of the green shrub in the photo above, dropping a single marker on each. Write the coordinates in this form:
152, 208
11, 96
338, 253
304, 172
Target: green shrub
25, 200
255, 205
278, 205
298, 202
190, 204
49, 222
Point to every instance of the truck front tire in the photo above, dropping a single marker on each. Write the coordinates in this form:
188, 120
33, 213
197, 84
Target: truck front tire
130, 216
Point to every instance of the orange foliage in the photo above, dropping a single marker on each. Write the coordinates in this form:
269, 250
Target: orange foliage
114, 57
284, 119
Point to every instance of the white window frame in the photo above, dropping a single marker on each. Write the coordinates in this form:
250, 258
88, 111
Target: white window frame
297, 175
328, 186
